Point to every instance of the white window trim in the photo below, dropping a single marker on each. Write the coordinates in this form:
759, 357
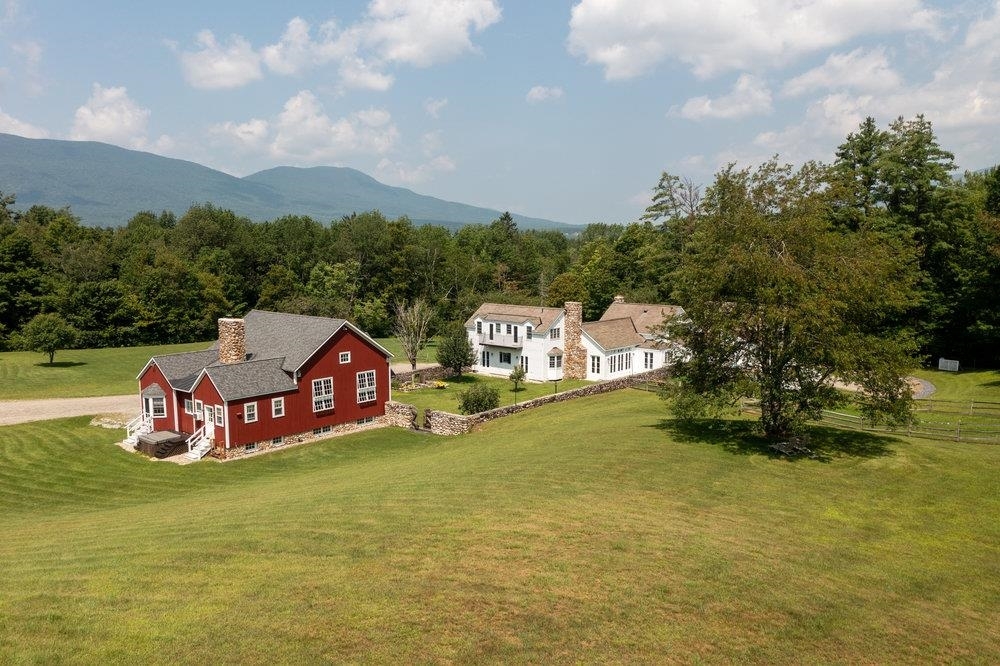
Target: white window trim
162, 402
188, 406
345, 357
199, 410
365, 381
276, 412
219, 416
249, 408
320, 399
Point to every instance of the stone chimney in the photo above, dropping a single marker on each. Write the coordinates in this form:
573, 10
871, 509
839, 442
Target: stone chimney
619, 299
575, 355
232, 341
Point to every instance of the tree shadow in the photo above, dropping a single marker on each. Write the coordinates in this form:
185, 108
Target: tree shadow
60, 364
742, 438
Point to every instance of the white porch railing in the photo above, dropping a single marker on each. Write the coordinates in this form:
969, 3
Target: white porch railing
140, 425
198, 444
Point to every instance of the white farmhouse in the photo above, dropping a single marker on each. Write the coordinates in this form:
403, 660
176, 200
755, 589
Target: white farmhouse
555, 343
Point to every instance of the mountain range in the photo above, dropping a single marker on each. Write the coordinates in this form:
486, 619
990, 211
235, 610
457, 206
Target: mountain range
106, 185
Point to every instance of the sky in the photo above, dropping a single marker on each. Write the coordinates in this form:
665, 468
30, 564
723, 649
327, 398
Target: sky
566, 110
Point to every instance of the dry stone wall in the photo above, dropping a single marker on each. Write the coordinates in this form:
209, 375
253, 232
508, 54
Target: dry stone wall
443, 423
427, 374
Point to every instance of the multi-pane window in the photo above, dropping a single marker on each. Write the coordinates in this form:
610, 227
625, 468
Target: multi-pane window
595, 365
527, 332
277, 441
345, 357
647, 360
322, 394
555, 333
159, 407
555, 361
218, 415
199, 408
277, 407
250, 412
508, 329
524, 363
366, 386
505, 357
479, 328
189, 406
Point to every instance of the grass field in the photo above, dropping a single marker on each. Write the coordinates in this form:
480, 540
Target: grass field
82, 373
78, 373
591, 531
446, 399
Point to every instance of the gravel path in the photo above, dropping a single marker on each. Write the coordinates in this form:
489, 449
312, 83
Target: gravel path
23, 411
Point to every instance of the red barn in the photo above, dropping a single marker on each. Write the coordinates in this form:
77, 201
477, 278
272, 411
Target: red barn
272, 379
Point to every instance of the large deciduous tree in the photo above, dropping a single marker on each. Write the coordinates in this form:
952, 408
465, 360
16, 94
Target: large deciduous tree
781, 306
47, 333
412, 328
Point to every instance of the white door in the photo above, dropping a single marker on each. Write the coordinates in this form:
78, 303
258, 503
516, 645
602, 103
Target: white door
209, 414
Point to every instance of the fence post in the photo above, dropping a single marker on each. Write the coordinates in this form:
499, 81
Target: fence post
958, 433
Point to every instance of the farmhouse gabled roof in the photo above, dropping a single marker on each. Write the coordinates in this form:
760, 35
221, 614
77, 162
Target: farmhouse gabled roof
294, 338
539, 317
613, 333
238, 381
181, 369
646, 316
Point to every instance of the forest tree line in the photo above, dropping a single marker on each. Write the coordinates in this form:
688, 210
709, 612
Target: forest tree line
164, 279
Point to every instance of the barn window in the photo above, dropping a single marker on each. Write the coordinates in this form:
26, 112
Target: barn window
322, 394
345, 357
250, 412
366, 386
277, 407
159, 407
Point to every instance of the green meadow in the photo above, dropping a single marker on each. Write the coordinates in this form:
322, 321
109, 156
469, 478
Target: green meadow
595, 530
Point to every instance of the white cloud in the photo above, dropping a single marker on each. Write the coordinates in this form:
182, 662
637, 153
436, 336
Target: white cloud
543, 94
249, 136
30, 53
11, 125
357, 73
630, 37
860, 69
110, 115
400, 172
303, 131
413, 32
218, 66
750, 96
433, 107
422, 33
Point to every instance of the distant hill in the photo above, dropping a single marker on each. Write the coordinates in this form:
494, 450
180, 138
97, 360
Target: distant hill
106, 185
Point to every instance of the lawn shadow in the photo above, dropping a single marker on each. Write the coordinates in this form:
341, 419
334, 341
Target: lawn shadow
60, 364
742, 437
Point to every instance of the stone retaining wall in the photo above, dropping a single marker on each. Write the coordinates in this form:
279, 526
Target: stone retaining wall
427, 374
220, 451
443, 423
400, 415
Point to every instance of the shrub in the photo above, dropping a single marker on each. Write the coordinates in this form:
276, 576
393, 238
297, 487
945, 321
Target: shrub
479, 398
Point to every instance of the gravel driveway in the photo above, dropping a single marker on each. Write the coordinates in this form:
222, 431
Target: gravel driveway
22, 411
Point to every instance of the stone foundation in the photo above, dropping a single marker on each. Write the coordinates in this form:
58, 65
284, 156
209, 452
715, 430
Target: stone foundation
220, 452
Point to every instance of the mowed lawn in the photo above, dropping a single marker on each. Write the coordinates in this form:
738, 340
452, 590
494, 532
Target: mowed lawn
78, 373
588, 531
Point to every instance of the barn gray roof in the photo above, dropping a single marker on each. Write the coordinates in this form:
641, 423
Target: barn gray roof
182, 369
237, 381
